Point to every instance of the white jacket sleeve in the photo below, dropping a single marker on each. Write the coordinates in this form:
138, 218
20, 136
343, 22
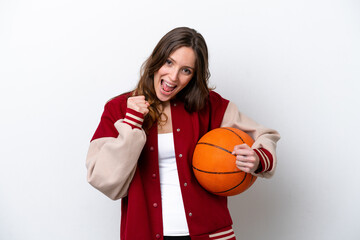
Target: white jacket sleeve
264, 137
111, 162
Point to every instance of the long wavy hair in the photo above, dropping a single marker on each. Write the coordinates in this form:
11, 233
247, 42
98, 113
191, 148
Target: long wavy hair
195, 94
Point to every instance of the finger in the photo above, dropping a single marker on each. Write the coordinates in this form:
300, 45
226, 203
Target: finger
136, 102
139, 105
241, 146
245, 152
146, 111
137, 97
142, 105
246, 167
138, 108
246, 159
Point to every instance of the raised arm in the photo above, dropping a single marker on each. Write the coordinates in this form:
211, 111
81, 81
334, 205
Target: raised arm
114, 151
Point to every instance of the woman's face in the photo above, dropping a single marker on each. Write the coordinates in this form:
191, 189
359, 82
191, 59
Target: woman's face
175, 74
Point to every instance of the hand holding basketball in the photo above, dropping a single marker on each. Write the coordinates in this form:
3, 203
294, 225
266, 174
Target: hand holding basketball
246, 158
139, 104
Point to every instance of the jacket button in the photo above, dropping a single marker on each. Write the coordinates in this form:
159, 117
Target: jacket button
151, 148
157, 236
174, 104
180, 155
153, 175
190, 214
178, 130
155, 205
185, 184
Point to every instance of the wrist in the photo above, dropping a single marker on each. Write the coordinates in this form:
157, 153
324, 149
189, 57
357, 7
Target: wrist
134, 118
266, 160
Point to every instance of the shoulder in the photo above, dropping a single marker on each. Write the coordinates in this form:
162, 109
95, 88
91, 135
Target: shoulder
213, 94
217, 100
120, 99
116, 106
117, 102
216, 108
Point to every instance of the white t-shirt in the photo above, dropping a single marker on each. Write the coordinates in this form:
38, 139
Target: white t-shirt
173, 212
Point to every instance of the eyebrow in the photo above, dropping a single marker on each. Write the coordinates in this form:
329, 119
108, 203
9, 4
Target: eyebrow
193, 68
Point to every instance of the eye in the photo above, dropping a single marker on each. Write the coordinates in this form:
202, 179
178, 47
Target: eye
187, 71
168, 62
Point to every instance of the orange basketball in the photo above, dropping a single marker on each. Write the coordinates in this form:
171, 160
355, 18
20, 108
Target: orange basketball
214, 164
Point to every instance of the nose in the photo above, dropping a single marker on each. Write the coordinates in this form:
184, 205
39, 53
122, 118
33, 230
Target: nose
173, 74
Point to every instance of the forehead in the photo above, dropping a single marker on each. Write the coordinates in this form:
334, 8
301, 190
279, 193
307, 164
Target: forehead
184, 56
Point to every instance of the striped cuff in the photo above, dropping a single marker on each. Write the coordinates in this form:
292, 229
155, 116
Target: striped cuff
266, 160
133, 118
223, 234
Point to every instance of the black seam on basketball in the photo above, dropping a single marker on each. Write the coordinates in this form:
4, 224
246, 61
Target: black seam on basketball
235, 134
216, 147
235, 186
252, 178
215, 172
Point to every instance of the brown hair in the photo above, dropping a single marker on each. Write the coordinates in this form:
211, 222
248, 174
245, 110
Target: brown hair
195, 94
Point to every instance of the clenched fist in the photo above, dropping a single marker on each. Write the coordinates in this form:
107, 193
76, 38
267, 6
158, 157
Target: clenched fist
246, 158
139, 104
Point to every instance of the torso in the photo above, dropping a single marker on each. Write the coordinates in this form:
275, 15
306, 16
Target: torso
138, 207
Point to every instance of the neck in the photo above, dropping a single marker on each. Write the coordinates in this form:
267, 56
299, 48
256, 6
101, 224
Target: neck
165, 124
165, 104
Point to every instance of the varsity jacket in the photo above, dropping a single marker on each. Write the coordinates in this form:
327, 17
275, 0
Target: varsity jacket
122, 163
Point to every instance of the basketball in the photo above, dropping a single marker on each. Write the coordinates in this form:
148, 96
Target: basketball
214, 164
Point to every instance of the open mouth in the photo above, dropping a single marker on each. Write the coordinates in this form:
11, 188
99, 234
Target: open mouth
167, 87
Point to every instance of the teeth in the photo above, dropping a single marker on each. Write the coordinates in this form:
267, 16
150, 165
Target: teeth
169, 85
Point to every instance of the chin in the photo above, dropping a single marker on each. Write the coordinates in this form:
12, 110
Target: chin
163, 98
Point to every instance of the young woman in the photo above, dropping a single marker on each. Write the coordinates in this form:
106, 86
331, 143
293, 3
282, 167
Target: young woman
142, 149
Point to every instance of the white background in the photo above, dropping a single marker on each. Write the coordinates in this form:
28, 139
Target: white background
290, 65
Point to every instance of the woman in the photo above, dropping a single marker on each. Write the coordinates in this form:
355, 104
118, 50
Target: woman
142, 149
